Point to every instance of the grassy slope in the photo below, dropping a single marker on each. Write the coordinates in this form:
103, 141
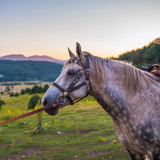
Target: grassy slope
85, 133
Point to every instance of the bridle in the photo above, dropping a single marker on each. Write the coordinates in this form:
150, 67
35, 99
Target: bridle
72, 87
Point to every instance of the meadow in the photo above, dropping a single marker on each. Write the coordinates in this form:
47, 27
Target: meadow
83, 131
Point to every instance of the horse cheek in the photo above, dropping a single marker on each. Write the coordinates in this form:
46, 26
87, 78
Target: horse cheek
79, 93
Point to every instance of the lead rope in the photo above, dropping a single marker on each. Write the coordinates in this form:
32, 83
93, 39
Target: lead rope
30, 113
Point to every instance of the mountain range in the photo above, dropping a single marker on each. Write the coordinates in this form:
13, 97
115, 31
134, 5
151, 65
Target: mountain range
20, 57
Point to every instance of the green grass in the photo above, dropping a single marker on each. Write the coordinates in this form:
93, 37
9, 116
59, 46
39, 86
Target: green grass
83, 131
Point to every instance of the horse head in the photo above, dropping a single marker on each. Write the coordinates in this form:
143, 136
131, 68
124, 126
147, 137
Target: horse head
72, 84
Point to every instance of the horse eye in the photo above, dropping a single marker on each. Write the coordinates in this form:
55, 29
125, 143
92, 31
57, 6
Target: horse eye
71, 72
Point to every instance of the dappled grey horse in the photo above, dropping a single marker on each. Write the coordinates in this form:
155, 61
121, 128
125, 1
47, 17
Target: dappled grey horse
130, 96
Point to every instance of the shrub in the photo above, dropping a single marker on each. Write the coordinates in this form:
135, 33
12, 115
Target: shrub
46, 86
36, 89
23, 91
33, 102
28, 90
16, 94
8, 89
1, 103
2, 92
11, 94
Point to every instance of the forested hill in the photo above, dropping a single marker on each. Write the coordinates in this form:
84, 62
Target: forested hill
143, 56
29, 70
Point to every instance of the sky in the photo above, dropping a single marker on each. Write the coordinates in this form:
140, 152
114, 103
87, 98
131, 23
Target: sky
104, 28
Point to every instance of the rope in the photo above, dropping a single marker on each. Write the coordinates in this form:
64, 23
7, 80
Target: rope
29, 113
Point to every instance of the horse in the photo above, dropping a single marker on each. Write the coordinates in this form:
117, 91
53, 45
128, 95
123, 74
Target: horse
129, 95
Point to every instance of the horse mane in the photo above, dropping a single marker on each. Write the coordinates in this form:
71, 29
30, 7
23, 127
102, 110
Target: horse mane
99, 66
134, 77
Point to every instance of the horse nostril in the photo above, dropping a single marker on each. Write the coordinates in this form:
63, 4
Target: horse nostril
45, 103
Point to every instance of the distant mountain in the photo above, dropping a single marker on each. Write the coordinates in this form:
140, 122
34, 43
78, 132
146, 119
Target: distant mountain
20, 57
29, 70
14, 57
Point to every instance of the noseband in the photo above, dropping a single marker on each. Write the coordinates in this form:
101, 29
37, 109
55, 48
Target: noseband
72, 87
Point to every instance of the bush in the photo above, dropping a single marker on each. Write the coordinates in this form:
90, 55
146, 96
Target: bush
2, 92
11, 94
16, 94
8, 89
36, 89
33, 102
23, 91
1, 103
28, 90
46, 86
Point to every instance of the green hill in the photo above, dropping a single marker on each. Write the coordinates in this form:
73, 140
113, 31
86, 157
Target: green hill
28, 70
143, 56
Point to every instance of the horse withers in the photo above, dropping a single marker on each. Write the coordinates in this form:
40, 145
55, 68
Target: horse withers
130, 96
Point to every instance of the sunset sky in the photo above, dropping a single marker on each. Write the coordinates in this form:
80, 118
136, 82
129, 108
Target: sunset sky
103, 27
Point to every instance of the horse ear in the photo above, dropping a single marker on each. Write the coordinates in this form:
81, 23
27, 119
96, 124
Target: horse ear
70, 53
78, 50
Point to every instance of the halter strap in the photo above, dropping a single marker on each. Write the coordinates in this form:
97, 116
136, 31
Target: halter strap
72, 87
56, 85
62, 90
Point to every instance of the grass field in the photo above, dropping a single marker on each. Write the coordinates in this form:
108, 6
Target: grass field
80, 132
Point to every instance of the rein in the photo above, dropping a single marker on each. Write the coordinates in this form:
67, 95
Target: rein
29, 113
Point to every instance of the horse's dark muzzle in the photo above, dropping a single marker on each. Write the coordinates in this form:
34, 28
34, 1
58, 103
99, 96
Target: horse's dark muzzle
52, 111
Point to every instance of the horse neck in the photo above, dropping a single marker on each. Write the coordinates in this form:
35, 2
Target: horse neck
108, 80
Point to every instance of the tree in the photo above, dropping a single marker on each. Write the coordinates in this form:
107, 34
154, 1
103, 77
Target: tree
35, 89
12, 88
2, 92
16, 94
46, 86
33, 103
1, 104
143, 56
11, 94
23, 92
28, 90
8, 89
